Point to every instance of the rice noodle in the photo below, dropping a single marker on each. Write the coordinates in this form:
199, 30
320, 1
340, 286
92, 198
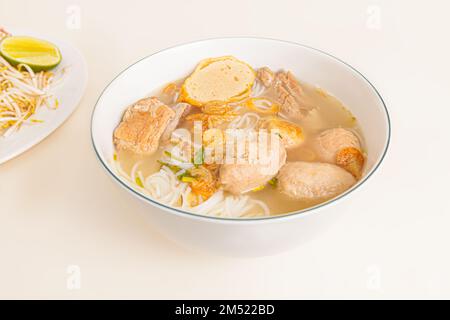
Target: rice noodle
248, 121
258, 88
164, 186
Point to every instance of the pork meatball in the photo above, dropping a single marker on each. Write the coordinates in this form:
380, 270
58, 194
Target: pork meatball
238, 178
342, 147
313, 181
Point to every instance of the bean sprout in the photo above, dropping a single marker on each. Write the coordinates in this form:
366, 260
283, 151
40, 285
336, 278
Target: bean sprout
22, 93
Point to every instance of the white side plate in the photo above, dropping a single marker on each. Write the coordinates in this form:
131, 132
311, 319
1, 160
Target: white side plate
69, 94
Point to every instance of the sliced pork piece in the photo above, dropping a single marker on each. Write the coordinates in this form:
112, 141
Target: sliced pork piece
266, 76
342, 147
181, 110
170, 93
240, 178
142, 126
289, 95
312, 181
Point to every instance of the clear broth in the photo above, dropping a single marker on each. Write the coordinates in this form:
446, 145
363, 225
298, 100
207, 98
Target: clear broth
329, 113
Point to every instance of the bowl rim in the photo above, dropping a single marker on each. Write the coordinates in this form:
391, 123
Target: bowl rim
277, 218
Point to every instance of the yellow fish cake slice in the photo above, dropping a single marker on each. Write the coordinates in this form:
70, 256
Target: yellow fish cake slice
224, 79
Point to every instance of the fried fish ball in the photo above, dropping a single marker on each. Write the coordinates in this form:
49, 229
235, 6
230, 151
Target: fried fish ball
352, 160
290, 133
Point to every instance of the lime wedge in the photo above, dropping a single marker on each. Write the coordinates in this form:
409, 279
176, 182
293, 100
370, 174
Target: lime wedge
38, 54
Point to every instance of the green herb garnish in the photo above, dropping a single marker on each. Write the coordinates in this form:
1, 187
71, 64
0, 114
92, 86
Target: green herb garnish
139, 182
273, 182
199, 157
188, 179
172, 167
170, 155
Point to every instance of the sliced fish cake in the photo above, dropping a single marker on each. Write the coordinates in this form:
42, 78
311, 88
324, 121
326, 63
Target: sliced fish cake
224, 79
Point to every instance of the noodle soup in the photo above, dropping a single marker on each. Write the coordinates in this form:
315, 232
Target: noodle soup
174, 146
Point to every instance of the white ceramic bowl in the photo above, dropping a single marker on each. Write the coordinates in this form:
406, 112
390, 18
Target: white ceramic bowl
243, 237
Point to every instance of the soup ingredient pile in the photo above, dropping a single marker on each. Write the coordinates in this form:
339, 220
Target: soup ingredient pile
314, 153
25, 81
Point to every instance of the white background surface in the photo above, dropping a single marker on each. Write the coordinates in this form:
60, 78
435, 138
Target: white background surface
58, 208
